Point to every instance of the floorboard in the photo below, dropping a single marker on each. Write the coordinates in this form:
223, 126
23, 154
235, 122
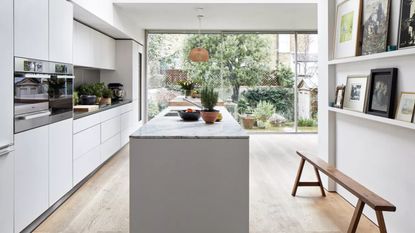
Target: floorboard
101, 204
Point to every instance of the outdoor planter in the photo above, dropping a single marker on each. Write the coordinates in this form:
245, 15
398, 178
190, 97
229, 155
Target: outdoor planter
248, 122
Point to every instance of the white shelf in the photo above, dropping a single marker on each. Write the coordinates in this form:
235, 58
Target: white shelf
377, 56
383, 120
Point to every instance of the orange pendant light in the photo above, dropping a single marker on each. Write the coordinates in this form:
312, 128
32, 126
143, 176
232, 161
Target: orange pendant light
199, 54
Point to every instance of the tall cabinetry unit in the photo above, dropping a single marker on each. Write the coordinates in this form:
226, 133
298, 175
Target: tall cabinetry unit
43, 29
6, 116
354, 140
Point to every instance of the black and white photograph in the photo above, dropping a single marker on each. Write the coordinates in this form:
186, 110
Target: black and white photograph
375, 26
355, 93
407, 24
382, 92
405, 109
339, 96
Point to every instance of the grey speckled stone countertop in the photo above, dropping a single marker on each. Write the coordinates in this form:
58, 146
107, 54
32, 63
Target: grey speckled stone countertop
172, 127
77, 115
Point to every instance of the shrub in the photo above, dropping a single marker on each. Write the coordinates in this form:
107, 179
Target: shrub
281, 98
263, 111
307, 123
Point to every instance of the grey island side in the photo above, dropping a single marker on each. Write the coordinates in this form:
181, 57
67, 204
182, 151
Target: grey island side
189, 176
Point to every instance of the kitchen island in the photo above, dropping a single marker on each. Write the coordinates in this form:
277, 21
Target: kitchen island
189, 177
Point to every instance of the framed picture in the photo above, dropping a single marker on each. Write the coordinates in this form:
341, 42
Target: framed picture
348, 33
406, 106
339, 96
407, 24
382, 92
355, 93
375, 26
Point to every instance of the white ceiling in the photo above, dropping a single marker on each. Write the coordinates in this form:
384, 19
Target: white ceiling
222, 16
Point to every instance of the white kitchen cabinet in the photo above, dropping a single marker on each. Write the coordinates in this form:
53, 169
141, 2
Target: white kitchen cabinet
86, 164
60, 160
6, 192
110, 128
126, 127
92, 48
31, 23
109, 147
86, 140
31, 176
60, 31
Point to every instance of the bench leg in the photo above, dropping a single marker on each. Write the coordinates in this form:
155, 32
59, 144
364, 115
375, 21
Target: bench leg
323, 193
381, 222
356, 217
297, 179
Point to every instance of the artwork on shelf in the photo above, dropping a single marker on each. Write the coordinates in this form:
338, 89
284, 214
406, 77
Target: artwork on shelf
375, 26
355, 93
407, 24
406, 106
382, 92
339, 96
348, 24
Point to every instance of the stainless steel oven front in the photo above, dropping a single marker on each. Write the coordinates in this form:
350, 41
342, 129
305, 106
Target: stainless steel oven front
42, 93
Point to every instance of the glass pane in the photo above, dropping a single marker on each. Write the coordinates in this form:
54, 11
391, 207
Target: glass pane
307, 82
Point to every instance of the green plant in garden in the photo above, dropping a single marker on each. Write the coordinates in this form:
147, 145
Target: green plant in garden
284, 76
281, 98
241, 59
187, 84
307, 123
209, 97
264, 110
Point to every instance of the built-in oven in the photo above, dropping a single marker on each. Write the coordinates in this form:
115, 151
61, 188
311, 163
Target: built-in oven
42, 93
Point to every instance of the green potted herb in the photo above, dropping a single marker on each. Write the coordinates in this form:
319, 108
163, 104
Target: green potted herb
106, 96
86, 95
209, 99
97, 89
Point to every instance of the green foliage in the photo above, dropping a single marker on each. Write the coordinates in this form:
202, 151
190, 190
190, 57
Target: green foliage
91, 89
242, 59
307, 123
106, 93
264, 110
153, 109
284, 76
186, 84
281, 98
209, 97
98, 89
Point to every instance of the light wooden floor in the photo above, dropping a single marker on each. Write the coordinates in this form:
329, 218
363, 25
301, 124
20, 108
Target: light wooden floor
101, 205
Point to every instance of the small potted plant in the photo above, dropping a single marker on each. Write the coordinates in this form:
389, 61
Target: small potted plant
106, 96
97, 90
86, 95
263, 112
209, 99
248, 120
187, 86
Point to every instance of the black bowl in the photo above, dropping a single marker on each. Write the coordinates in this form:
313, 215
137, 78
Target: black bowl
189, 116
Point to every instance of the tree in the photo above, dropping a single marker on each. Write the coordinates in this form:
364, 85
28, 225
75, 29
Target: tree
241, 59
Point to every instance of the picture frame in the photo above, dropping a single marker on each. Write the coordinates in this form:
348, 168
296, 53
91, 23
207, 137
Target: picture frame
355, 93
406, 107
375, 21
348, 29
406, 35
381, 99
338, 103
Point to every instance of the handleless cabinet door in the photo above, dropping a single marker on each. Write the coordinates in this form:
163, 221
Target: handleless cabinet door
31, 175
6, 192
60, 160
60, 31
31, 23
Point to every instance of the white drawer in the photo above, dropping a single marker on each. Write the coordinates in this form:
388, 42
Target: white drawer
110, 128
126, 120
126, 107
108, 114
85, 164
86, 140
109, 147
86, 122
125, 137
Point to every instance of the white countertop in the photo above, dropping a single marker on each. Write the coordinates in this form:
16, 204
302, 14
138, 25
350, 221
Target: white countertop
173, 127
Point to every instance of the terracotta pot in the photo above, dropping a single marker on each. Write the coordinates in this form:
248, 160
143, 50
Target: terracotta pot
248, 122
105, 101
209, 117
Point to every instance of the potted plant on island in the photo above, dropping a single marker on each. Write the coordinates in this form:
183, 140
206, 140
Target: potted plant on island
209, 99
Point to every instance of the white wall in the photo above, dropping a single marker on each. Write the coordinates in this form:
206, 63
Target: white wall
378, 156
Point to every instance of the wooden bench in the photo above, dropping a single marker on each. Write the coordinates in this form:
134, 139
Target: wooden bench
364, 195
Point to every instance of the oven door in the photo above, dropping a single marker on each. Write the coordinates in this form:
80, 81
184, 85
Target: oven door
31, 101
60, 97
